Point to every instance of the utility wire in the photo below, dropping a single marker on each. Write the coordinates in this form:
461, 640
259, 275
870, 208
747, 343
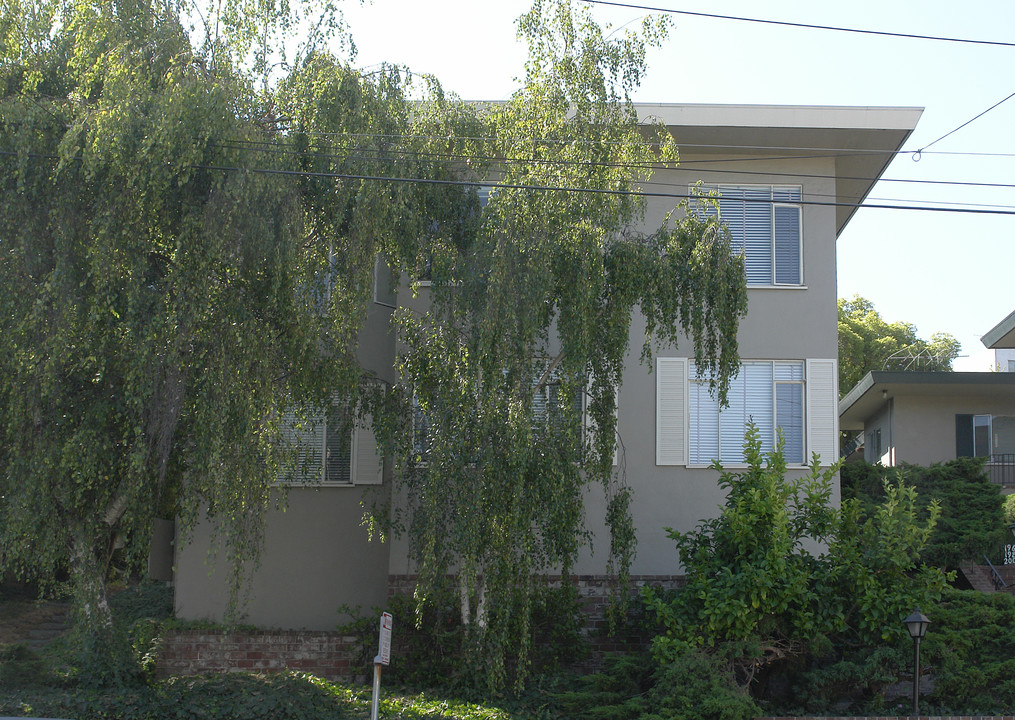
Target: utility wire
464, 158
553, 188
544, 188
644, 183
684, 167
836, 152
920, 151
798, 25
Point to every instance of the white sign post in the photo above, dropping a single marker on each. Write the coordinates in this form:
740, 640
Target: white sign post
383, 658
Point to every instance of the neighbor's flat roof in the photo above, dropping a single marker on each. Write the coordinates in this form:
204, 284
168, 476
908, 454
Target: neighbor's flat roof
864, 398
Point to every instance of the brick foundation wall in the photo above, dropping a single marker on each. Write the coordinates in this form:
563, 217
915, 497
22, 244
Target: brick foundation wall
332, 655
325, 654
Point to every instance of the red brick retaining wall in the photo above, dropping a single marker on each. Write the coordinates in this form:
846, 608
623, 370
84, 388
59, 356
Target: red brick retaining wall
326, 654
331, 655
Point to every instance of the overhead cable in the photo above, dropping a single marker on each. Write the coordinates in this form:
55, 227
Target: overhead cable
919, 152
786, 23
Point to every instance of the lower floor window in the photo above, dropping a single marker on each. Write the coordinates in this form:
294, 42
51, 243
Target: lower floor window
330, 447
766, 393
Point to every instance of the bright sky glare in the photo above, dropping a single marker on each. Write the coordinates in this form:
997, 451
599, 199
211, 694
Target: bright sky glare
943, 272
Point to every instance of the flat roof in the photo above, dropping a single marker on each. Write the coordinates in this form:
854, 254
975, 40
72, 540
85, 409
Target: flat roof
876, 388
861, 140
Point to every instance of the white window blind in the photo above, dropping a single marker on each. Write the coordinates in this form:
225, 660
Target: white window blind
765, 224
794, 397
331, 451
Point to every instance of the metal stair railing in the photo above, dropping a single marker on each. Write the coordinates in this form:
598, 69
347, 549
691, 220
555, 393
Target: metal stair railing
999, 583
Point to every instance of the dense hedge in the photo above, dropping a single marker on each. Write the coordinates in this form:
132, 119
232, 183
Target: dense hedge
972, 522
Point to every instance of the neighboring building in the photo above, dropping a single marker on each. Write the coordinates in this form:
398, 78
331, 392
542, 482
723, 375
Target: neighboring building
927, 417
808, 167
1001, 339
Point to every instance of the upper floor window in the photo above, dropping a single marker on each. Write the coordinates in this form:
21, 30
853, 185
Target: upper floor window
765, 224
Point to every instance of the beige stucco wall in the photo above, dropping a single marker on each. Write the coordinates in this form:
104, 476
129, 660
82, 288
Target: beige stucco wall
782, 323
924, 427
316, 558
316, 554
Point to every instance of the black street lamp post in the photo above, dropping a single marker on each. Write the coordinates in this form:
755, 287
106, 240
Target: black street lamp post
917, 625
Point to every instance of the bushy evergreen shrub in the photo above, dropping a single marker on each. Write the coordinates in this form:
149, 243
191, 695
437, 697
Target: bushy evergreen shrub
972, 521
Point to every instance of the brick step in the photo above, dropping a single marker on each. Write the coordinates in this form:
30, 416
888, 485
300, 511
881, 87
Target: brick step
977, 576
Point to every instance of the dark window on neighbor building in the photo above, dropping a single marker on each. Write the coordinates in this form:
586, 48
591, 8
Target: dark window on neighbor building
972, 436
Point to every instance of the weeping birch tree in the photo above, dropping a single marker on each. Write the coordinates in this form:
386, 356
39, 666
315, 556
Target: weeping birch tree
513, 354
180, 266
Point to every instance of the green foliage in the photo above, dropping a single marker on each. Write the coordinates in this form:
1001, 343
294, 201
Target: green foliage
161, 308
188, 255
239, 696
866, 341
969, 648
431, 643
695, 684
1009, 509
845, 680
20, 666
758, 574
967, 653
525, 323
972, 522
749, 572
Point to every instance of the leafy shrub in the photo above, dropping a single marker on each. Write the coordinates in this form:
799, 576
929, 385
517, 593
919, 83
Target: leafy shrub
21, 666
428, 642
970, 649
754, 574
148, 600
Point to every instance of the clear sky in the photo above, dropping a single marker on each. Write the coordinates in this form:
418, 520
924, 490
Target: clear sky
943, 272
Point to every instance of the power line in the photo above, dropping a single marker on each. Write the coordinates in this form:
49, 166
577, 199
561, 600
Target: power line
831, 152
786, 23
552, 188
572, 163
685, 166
998, 209
920, 151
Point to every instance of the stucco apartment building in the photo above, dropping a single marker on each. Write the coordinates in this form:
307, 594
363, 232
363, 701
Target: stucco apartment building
790, 179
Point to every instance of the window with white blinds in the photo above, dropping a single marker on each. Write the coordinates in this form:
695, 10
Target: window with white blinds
765, 225
796, 397
769, 394
332, 451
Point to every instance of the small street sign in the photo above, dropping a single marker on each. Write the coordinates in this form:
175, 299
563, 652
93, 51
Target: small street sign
384, 646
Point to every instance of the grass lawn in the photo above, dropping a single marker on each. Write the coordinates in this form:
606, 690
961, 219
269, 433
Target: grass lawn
239, 696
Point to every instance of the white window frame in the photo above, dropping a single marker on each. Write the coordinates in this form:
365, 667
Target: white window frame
365, 464
674, 426
767, 417
774, 191
990, 439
